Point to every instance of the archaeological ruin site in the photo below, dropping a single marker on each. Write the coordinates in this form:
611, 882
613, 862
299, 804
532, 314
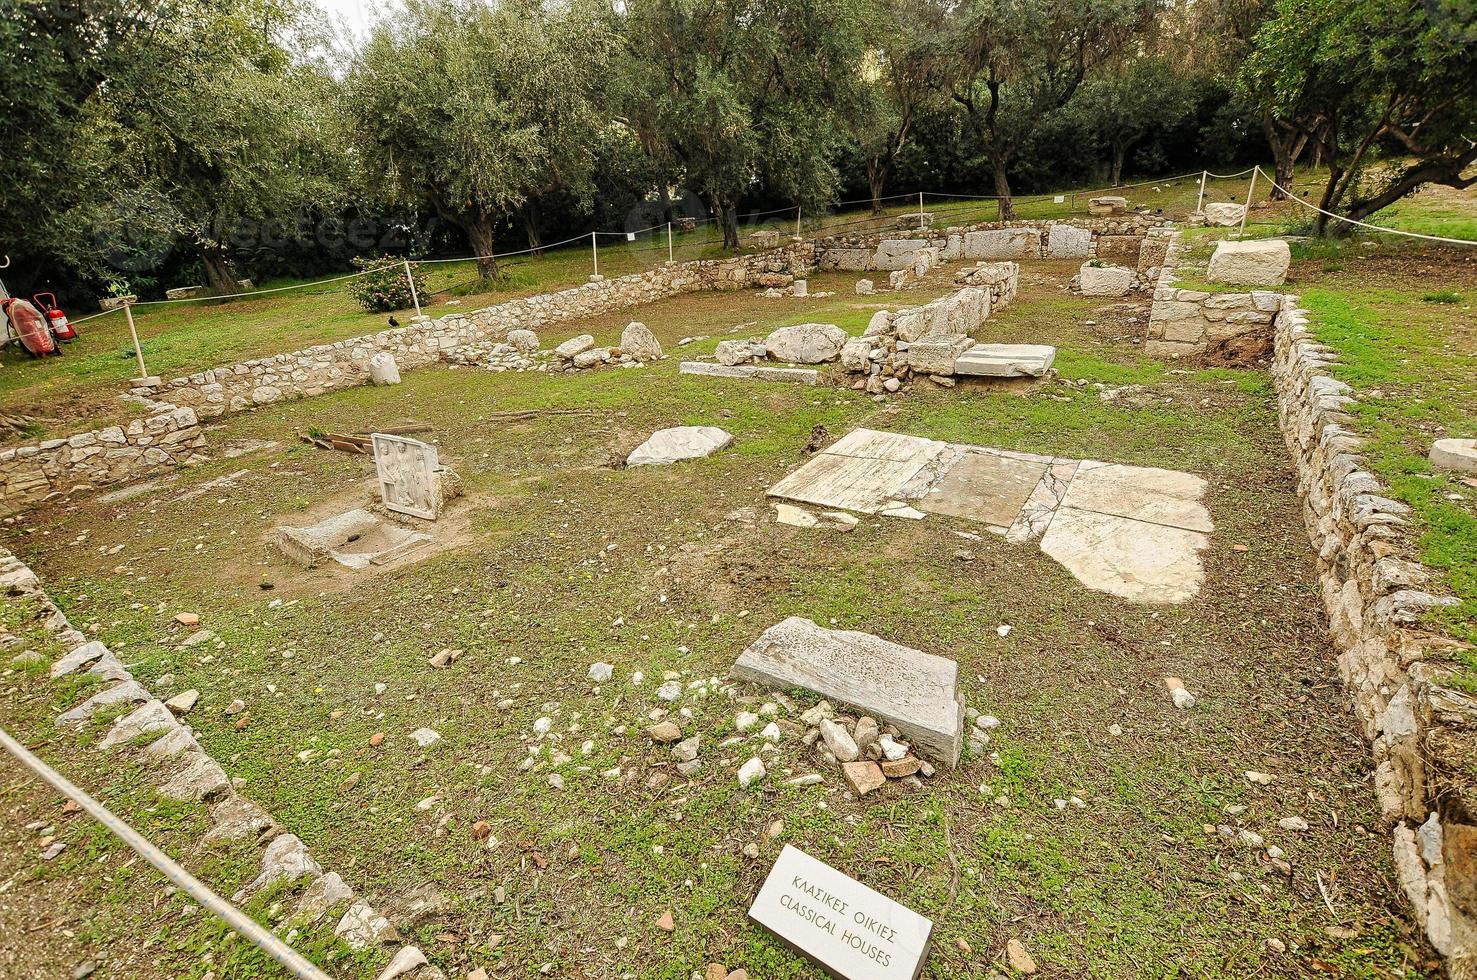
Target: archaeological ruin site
676, 490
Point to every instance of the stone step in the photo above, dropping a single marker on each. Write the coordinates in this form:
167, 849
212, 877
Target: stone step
1006, 360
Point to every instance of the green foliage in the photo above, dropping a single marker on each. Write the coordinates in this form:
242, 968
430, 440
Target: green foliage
1356, 77
386, 287
477, 110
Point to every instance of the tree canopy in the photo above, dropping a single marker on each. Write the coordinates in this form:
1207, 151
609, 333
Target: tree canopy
217, 138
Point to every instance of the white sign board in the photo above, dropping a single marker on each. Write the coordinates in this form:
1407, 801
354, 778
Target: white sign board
407, 475
846, 927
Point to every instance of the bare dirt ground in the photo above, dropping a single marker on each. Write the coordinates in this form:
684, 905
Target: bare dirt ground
566, 560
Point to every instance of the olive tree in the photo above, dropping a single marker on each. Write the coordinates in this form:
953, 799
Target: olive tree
476, 109
1365, 78
733, 95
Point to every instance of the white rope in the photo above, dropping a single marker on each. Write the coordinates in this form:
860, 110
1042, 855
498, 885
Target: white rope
254, 292
285, 955
1366, 224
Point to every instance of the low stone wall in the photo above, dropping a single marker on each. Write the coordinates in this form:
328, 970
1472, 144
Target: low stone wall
1422, 730
1235, 327
33, 473
345, 364
180, 769
1119, 239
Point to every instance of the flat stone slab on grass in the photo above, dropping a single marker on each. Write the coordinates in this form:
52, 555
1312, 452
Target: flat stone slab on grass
1133, 559
1457, 455
751, 372
984, 487
1250, 263
677, 444
916, 691
1005, 360
1133, 531
865, 471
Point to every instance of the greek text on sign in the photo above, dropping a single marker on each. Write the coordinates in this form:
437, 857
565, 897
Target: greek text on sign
846, 927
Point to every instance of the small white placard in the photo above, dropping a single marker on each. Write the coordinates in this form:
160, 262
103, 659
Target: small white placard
1060, 199
846, 927
630, 236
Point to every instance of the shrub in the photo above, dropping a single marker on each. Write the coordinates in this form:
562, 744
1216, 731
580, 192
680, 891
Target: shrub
385, 288
1445, 296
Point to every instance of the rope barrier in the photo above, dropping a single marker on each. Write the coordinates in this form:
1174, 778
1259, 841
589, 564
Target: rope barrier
823, 230
1365, 224
285, 955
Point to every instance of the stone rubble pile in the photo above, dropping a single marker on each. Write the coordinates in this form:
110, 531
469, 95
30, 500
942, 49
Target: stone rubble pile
638, 347
928, 340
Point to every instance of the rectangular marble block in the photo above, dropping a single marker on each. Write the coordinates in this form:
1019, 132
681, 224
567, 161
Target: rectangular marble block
916, 691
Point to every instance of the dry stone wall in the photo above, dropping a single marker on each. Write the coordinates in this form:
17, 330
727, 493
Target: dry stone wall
180, 769
172, 436
34, 473
345, 364
1187, 322
1422, 727
1120, 239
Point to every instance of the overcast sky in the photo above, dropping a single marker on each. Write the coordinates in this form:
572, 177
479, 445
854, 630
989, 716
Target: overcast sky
351, 18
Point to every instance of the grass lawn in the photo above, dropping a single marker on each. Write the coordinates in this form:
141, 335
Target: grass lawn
81, 388
558, 559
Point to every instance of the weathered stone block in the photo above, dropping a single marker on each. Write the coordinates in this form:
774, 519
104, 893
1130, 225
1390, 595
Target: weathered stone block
915, 691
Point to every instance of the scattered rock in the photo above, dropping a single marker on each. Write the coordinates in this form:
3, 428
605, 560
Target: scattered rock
897, 769
677, 444
601, 673
863, 777
1297, 824
665, 923
409, 958
664, 732
425, 737
1020, 960
640, 343
686, 750
181, 703
751, 772
839, 741
187, 619
806, 343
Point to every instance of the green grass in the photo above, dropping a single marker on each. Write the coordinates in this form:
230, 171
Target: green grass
1130, 885
81, 387
1412, 365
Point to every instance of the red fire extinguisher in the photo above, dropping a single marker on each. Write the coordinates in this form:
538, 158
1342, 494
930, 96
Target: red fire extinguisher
61, 327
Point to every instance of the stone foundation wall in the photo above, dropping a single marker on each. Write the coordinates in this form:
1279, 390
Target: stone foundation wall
1422, 730
345, 364
1119, 239
34, 473
179, 769
1187, 322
